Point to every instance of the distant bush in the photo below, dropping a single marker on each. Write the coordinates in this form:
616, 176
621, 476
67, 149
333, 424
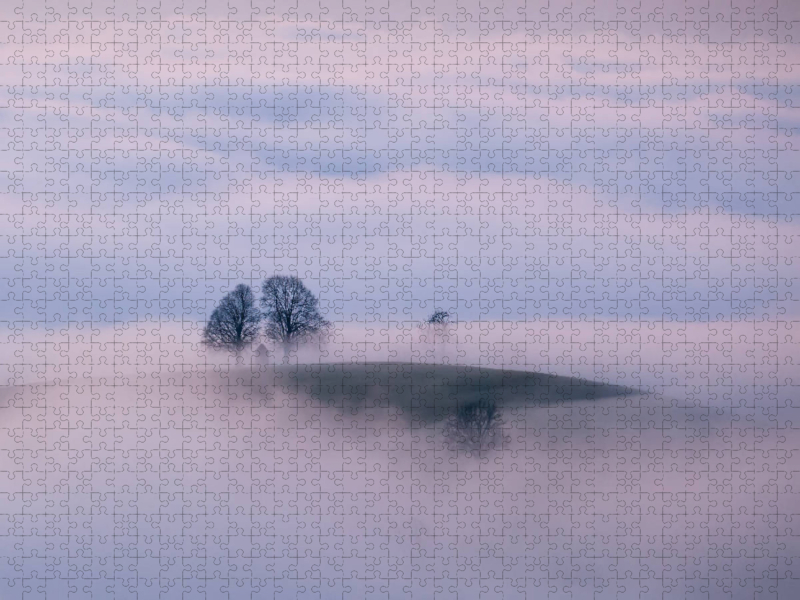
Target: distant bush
439, 317
436, 328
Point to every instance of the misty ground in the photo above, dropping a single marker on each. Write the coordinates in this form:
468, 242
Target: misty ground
340, 481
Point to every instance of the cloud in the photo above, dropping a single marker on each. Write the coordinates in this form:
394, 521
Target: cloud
661, 356
487, 246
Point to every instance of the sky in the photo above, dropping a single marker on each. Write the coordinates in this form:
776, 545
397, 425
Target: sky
508, 162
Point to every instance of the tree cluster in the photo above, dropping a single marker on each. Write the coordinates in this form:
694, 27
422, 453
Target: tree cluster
289, 313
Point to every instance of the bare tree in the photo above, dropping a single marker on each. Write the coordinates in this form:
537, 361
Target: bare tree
291, 310
235, 321
475, 424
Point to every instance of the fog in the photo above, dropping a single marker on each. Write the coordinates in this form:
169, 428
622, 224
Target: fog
645, 460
